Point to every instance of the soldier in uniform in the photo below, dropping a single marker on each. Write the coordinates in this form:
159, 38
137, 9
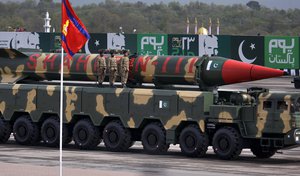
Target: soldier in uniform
101, 68
124, 68
113, 68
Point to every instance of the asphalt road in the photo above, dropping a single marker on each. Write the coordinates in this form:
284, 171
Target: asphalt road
16, 160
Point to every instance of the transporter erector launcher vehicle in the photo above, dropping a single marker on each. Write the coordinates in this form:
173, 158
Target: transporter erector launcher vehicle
257, 119
206, 72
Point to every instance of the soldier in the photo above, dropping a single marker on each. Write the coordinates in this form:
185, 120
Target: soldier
101, 68
124, 68
112, 66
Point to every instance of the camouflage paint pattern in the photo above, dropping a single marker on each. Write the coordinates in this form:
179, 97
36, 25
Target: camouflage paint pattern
254, 120
263, 117
46, 66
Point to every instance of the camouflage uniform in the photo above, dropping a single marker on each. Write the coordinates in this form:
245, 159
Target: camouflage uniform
124, 70
113, 68
101, 69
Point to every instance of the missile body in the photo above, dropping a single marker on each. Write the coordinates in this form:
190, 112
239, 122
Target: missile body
17, 66
206, 72
203, 71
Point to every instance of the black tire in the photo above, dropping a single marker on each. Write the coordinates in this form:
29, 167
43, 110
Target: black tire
154, 139
86, 135
50, 132
25, 131
227, 143
261, 152
116, 137
5, 131
192, 142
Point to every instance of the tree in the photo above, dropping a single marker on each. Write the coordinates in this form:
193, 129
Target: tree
253, 5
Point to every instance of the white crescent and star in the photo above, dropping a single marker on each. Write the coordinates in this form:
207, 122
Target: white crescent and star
97, 43
241, 54
215, 65
86, 47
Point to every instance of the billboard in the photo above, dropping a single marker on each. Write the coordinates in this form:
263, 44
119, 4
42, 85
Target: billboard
183, 45
248, 49
95, 43
120, 41
130, 43
20, 40
282, 52
152, 44
217, 45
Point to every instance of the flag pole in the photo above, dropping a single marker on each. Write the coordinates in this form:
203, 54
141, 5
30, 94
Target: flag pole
61, 111
78, 32
61, 99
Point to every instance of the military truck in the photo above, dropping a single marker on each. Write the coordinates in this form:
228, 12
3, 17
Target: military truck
228, 121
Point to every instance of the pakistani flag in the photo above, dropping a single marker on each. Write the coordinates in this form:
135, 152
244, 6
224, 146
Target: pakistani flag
248, 49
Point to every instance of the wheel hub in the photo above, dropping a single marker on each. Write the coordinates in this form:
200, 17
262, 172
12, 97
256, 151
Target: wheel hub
224, 144
82, 135
22, 131
190, 142
50, 132
152, 139
113, 137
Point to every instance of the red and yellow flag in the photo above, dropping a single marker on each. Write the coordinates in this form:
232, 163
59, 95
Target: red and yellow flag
74, 34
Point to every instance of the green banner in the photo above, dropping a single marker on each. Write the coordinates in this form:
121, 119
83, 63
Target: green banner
46, 46
224, 46
282, 52
152, 44
130, 43
183, 45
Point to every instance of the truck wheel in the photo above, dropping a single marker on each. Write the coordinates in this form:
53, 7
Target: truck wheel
154, 139
50, 132
260, 152
227, 143
25, 131
5, 131
116, 137
86, 135
193, 143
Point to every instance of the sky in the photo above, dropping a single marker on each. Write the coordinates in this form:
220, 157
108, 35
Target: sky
278, 4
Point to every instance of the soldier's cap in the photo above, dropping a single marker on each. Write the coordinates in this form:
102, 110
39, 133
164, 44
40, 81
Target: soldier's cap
125, 51
112, 52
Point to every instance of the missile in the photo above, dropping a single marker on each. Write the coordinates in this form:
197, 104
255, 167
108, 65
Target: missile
206, 72
16, 66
